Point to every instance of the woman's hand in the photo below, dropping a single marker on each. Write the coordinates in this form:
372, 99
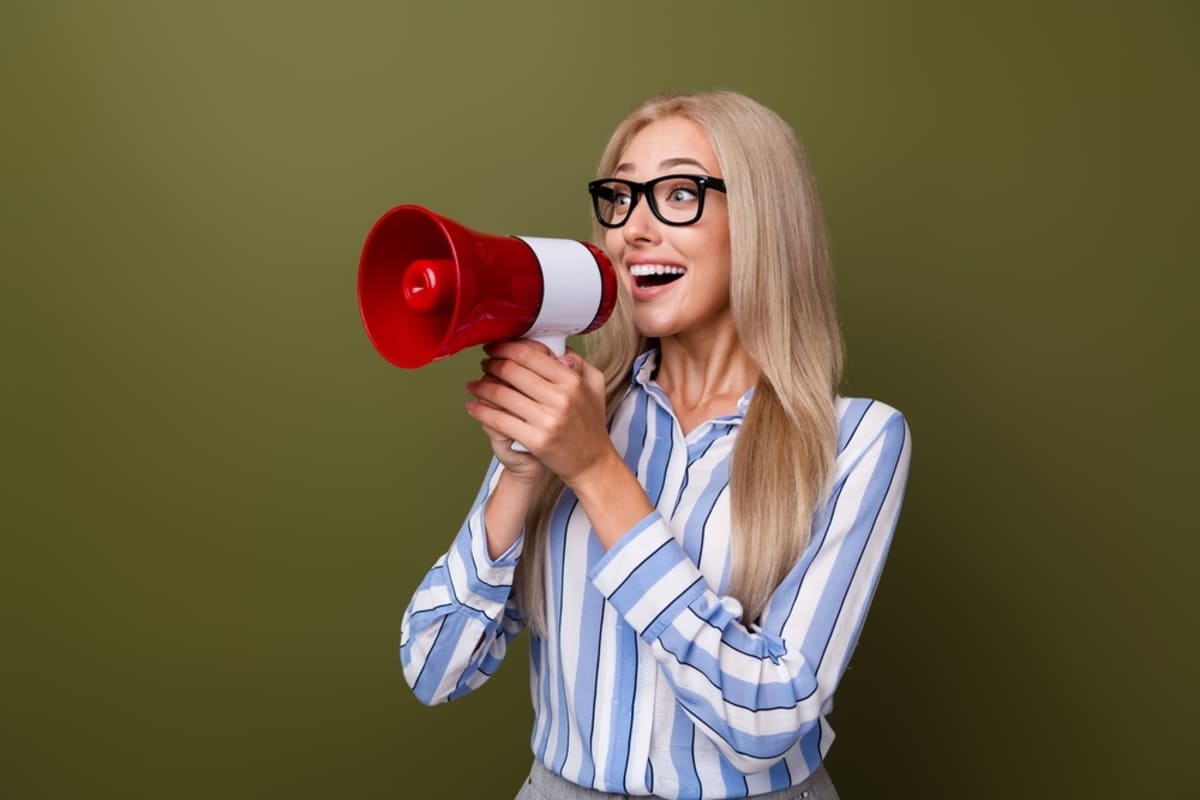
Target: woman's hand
553, 406
520, 465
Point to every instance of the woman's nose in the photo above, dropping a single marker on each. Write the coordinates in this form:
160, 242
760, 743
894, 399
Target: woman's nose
641, 225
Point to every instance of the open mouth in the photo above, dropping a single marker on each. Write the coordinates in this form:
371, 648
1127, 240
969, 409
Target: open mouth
648, 275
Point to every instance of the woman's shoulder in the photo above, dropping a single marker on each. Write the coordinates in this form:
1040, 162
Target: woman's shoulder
863, 421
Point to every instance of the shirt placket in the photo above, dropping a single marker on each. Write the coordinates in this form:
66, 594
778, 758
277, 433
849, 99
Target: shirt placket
647, 668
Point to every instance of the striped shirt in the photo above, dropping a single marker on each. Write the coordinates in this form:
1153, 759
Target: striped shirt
648, 681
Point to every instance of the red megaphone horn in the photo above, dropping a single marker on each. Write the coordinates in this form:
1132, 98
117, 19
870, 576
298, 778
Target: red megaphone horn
429, 287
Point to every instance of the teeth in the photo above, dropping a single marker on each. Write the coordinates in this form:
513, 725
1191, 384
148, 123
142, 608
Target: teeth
645, 270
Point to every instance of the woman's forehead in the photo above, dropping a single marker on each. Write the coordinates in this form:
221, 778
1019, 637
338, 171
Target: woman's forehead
668, 143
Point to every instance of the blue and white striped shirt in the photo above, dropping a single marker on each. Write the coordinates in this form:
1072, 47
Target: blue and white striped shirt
647, 681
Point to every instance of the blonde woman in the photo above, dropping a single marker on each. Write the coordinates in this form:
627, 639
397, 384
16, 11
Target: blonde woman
700, 522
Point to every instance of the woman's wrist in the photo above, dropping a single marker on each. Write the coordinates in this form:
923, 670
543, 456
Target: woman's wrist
596, 473
504, 514
520, 484
611, 496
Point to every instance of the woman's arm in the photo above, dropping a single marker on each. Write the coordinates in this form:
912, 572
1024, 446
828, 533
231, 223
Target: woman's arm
754, 690
459, 623
462, 617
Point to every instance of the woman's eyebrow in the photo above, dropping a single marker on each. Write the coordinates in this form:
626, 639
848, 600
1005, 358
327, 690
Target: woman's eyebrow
666, 164
679, 162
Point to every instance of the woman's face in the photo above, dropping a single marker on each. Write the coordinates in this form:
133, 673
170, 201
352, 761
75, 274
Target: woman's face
691, 295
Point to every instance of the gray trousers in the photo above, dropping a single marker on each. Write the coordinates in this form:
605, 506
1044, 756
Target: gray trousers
542, 784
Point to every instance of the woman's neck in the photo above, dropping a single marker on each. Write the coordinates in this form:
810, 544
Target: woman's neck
704, 375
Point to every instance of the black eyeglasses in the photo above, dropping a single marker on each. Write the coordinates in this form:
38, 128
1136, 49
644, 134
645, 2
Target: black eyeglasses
674, 199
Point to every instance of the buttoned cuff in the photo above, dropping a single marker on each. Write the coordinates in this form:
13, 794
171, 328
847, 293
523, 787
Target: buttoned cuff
477, 580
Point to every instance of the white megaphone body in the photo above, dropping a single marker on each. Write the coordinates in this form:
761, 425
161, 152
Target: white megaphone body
429, 287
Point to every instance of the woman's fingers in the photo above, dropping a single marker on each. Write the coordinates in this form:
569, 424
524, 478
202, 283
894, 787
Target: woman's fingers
528, 367
498, 423
503, 397
553, 406
520, 464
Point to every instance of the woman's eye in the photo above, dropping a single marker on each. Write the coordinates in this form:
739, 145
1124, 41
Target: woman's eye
682, 194
621, 199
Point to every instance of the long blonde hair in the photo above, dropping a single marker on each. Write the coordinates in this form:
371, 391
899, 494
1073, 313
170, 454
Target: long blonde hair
782, 302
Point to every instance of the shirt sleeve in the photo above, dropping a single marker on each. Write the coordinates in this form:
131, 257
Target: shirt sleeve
754, 690
463, 615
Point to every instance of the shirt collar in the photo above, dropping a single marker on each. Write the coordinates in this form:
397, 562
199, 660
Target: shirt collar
644, 367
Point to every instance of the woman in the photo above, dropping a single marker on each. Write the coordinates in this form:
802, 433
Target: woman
698, 527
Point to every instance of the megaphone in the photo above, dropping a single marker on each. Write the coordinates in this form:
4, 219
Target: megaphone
429, 287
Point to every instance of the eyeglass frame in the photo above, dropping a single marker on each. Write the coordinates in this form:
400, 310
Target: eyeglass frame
636, 190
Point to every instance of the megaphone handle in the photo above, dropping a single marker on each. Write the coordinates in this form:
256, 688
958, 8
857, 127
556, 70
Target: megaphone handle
557, 343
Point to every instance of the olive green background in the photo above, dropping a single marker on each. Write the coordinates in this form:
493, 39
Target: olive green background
217, 497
